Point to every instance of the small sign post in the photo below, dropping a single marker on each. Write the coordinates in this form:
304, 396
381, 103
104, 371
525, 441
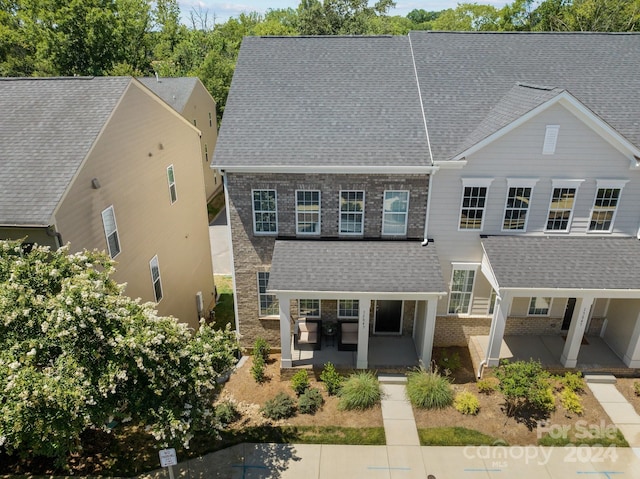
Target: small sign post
168, 459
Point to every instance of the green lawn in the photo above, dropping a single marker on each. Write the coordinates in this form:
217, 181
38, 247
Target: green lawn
455, 436
224, 308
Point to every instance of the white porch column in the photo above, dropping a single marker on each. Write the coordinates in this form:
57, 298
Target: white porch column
632, 356
285, 331
364, 307
429, 329
498, 323
579, 320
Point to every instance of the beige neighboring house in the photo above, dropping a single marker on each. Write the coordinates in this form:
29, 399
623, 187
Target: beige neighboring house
104, 163
189, 97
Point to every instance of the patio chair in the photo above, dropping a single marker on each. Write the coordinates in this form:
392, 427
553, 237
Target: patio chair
348, 336
308, 332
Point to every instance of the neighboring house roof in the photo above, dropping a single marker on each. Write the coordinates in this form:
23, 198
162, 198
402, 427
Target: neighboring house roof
174, 91
323, 102
463, 76
564, 262
47, 128
355, 267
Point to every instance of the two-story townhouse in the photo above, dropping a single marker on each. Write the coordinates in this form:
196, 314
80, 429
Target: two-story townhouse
103, 163
326, 169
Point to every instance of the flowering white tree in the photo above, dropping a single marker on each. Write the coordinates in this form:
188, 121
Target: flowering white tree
76, 353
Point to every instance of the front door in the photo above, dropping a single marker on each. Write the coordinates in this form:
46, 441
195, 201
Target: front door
568, 313
388, 317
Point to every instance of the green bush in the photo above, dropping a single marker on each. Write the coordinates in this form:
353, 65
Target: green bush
571, 401
282, 406
573, 381
257, 369
359, 391
636, 387
525, 384
226, 412
487, 385
261, 348
300, 382
448, 360
467, 403
428, 389
332, 379
310, 401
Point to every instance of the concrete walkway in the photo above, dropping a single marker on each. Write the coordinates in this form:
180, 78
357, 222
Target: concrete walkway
220, 244
397, 413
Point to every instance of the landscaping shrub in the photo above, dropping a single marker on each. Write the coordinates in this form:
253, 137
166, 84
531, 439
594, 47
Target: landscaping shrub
331, 378
257, 369
487, 385
359, 391
261, 348
573, 381
467, 403
571, 401
226, 412
310, 401
300, 382
428, 389
448, 360
525, 384
282, 406
636, 387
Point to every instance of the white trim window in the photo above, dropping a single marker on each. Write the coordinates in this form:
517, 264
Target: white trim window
265, 212
171, 179
516, 209
605, 206
351, 212
154, 266
563, 200
309, 308
307, 212
267, 303
348, 308
539, 306
395, 211
111, 231
474, 199
462, 281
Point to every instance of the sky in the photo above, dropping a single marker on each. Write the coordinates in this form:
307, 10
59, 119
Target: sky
221, 11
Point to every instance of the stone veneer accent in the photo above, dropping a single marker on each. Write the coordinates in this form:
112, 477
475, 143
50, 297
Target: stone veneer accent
253, 253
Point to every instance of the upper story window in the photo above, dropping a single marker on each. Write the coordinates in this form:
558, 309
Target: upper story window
474, 198
154, 266
308, 212
111, 231
395, 212
517, 206
348, 308
173, 194
352, 212
265, 212
462, 279
605, 205
561, 205
268, 303
309, 308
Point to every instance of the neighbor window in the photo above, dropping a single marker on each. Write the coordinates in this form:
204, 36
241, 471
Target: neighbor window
206, 152
348, 308
461, 289
539, 306
172, 184
352, 212
155, 278
517, 205
210, 119
111, 231
395, 210
269, 305
308, 212
474, 197
309, 308
561, 206
265, 215
605, 205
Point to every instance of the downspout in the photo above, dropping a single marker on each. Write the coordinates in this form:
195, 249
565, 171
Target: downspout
51, 232
426, 219
486, 359
233, 264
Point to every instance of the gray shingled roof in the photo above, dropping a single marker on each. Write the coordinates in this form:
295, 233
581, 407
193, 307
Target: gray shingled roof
174, 91
47, 127
564, 262
323, 101
464, 75
355, 266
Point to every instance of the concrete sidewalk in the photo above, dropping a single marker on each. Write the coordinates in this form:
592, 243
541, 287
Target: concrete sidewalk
397, 413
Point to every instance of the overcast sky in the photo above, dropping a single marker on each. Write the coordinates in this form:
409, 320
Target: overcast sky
222, 10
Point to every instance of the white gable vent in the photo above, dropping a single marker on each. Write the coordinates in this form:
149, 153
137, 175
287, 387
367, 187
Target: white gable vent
550, 139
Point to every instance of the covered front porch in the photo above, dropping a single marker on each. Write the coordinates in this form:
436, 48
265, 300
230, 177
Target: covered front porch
385, 295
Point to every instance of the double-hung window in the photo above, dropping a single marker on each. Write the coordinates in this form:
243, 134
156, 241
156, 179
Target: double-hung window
395, 211
605, 205
348, 308
352, 212
462, 278
474, 198
561, 206
265, 212
268, 303
539, 306
308, 212
154, 266
309, 308
516, 209
111, 231
173, 194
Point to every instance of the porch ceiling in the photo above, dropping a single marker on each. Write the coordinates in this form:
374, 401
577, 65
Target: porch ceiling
354, 266
589, 263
